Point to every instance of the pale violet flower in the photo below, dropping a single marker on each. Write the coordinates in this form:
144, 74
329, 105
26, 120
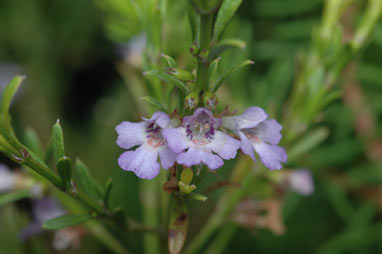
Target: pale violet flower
8, 179
148, 136
198, 141
301, 181
43, 210
258, 134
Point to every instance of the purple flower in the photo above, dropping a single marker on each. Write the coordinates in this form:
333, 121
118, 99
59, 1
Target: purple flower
301, 181
44, 209
148, 135
8, 179
199, 141
258, 134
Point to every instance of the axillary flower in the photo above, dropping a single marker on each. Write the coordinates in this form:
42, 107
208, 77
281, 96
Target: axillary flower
258, 134
148, 135
198, 141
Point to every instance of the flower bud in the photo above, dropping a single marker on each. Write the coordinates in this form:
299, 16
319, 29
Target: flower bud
194, 50
210, 100
191, 101
204, 54
180, 74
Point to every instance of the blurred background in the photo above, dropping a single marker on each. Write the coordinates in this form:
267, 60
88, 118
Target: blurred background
84, 61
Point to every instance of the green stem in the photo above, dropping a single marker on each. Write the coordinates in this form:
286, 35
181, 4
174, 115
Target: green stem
150, 217
35, 164
222, 239
226, 203
204, 46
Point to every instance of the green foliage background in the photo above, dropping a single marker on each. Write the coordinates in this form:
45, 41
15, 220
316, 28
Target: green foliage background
70, 52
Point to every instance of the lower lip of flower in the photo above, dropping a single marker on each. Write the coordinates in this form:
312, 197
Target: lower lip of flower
200, 134
252, 136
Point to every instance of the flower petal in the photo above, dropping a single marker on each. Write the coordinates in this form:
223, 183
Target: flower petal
251, 118
130, 134
247, 146
224, 145
176, 139
271, 155
142, 162
202, 114
162, 119
301, 181
269, 131
167, 157
195, 156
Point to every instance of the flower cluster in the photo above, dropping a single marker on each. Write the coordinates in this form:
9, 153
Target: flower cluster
201, 138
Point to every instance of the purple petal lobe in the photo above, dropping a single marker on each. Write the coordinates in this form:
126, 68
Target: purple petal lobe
247, 146
269, 131
162, 119
202, 115
251, 118
47, 208
271, 155
224, 145
142, 162
167, 157
31, 229
130, 134
176, 139
194, 157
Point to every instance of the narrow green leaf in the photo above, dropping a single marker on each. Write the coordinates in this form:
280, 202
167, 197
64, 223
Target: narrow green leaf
13, 196
57, 140
106, 196
5, 102
86, 181
8, 93
212, 70
198, 197
32, 142
177, 230
170, 61
228, 73
193, 21
167, 78
66, 221
226, 11
154, 102
224, 45
64, 169
308, 142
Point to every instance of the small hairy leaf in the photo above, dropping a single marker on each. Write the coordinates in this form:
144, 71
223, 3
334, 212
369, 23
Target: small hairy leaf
170, 61
167, 78
58, 147
226, 11
86, 181
228, 73
66, 221
13, 196
154, 102
224, 45
64, 169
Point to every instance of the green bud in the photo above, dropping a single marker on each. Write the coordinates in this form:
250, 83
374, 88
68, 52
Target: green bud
182, 75
204, 54
185, 188
191, 101
210, 100
194, 50
57, 140
186, 176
